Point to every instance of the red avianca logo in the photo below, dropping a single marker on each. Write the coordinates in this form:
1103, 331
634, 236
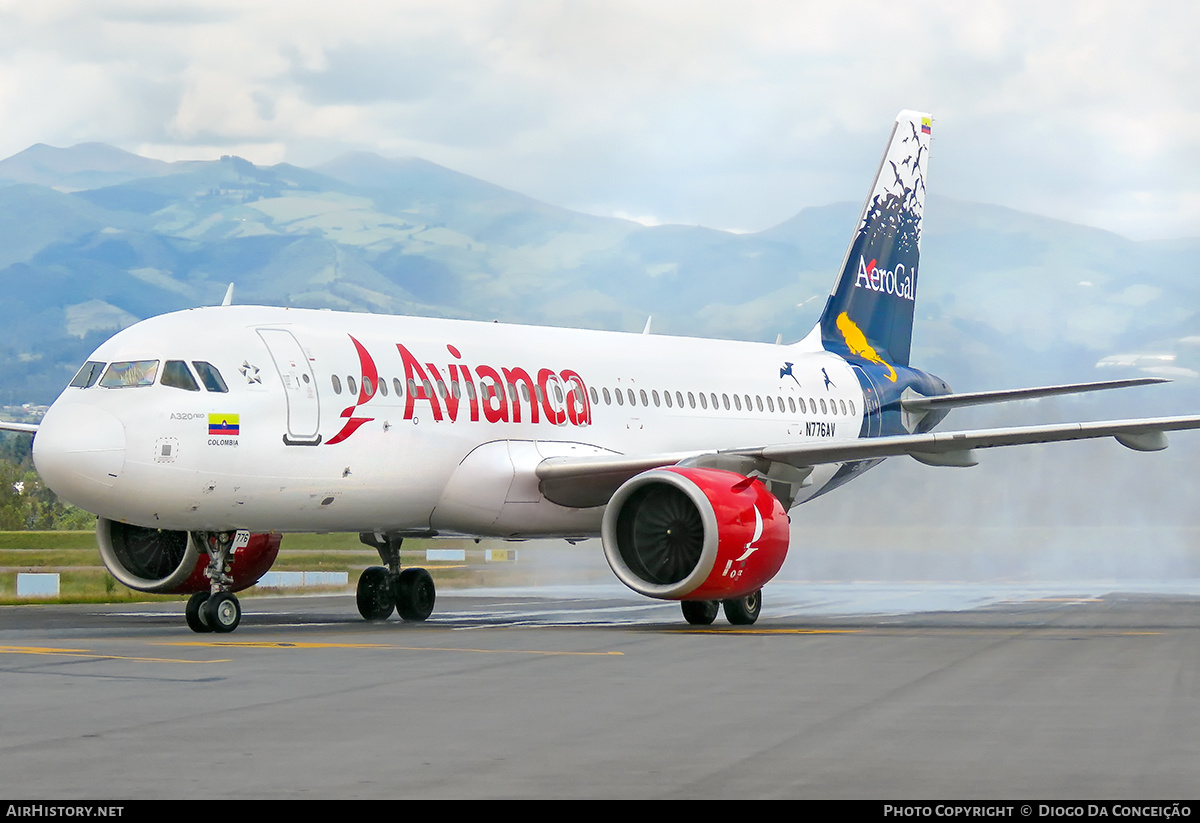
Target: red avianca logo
476, 393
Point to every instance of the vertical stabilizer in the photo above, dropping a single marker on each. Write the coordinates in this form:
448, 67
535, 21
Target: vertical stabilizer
870, 312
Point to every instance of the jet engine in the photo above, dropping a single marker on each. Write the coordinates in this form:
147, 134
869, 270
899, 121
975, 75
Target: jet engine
171, 562
683, 533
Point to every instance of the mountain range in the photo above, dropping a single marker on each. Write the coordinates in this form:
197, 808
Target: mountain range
93, 238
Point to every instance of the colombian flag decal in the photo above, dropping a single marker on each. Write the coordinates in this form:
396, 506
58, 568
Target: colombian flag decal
224, 424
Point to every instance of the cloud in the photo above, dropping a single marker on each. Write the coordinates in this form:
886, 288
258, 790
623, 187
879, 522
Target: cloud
706, 112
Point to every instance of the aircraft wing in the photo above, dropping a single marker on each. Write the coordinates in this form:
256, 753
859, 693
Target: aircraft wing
590, 481
28, 428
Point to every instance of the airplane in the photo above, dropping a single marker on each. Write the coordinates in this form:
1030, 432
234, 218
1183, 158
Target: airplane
199, 437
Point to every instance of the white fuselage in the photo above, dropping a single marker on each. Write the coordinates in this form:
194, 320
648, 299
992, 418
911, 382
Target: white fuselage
299, 442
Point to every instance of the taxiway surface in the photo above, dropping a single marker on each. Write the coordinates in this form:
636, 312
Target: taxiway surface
840, 691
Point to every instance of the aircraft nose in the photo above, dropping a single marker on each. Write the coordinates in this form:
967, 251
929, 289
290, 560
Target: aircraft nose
79, 451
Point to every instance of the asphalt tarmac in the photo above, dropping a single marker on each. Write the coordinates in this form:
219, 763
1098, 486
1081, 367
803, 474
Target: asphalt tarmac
853, 691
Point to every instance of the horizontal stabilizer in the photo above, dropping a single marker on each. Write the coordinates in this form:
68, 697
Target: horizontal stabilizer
979, 398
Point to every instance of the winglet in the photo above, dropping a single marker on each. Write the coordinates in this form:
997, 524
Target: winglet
228, 301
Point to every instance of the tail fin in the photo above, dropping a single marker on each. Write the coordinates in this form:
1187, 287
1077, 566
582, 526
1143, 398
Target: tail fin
870, 312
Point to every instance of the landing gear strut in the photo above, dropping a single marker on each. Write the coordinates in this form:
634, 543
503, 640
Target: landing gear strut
410, 592
218, 609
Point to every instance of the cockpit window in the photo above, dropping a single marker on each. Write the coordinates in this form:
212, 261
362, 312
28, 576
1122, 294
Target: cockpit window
128, 373
87, 376
175, 374
209, 376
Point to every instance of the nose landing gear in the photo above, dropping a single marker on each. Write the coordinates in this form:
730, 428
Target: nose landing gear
218, 609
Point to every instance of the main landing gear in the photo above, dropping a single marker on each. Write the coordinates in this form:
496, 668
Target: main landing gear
218, 609
741, 611
410, 591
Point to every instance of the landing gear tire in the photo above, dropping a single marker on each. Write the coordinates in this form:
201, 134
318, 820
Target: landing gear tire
743, 611
195, 613
222, 612
415, 594
700, 612
374, 596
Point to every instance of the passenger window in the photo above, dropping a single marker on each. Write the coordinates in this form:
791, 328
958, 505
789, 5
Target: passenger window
645, 400
632, 397
337, 383
607, 399
383, 386
770, 404
87, 376
725, 400
366, 385
667, 397
691, 400
129, 373
595, 397
703, 401
351, 385
176, 375
620, 397
398, 387
210, 377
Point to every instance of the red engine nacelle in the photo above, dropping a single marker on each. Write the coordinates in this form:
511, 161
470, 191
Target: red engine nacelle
170, 562
694, 534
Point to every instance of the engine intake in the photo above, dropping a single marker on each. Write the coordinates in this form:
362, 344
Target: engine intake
694, 534
173, 562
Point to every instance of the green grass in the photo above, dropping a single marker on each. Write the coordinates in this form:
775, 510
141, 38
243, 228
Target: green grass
48, 540
83, 578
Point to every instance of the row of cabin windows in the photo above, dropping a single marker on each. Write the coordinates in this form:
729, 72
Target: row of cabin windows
736, 402
124, 374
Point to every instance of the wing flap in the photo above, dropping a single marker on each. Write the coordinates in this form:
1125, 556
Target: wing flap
1145, 431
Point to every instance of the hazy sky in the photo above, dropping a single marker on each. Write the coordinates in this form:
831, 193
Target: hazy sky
728, 114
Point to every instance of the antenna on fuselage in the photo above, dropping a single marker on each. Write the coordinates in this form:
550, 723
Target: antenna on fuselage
647, 329
228, 301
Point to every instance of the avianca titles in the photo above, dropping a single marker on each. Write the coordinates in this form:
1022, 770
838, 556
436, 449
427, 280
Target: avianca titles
199, 437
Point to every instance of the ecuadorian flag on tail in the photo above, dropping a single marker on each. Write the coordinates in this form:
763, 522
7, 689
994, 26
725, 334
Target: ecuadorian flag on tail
224, 424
